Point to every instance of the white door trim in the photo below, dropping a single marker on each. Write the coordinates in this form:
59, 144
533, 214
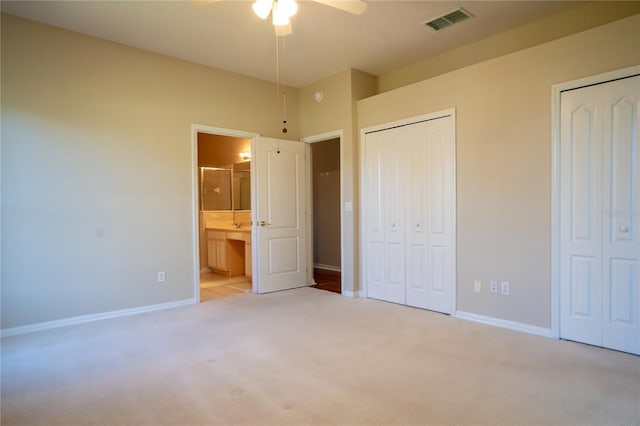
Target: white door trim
450, 112
195, 191
336, 134
556, 91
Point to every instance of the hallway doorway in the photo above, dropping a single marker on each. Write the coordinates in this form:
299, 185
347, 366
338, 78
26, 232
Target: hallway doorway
325, 172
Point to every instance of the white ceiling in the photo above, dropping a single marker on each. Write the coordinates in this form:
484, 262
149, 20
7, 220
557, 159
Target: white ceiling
325, 41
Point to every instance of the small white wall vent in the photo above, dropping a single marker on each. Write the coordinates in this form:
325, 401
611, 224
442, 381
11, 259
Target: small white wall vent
449, 19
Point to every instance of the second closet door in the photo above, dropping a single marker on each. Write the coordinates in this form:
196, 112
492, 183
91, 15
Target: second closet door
599, 215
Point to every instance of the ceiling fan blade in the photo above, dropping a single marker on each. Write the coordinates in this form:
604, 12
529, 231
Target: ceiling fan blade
357, 7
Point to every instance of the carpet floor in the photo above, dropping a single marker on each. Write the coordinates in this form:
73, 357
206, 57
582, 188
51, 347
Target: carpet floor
309, 357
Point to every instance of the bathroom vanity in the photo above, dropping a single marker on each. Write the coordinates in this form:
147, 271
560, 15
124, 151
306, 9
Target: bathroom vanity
225, 200
229, 250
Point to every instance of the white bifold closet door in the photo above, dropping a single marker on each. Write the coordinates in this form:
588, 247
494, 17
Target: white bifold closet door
599, 215
408, 212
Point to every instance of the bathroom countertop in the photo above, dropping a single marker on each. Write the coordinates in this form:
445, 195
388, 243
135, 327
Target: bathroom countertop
221, 227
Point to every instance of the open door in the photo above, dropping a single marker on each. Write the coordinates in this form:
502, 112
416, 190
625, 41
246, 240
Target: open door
279, 214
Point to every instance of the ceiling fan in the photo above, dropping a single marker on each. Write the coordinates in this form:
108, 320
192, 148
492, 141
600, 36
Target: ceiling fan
282, 10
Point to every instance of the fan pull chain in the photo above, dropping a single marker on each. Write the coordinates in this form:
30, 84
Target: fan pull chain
283, 91
277, 71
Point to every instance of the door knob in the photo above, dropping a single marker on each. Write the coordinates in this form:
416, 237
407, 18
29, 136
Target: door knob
264, 223
623, 229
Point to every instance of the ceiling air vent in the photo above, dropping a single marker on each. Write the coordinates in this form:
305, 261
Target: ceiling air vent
449, 19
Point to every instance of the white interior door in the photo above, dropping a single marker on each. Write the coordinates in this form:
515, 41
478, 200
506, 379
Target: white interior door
373, 259
430, 215
581, 232
621, 230
279, 217
392, 179
599, 215
408, 213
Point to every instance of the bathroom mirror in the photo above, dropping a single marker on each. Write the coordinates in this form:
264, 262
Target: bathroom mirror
242, 186
226, 188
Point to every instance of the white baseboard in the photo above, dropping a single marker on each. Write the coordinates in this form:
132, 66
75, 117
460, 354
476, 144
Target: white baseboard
92, 317
327, 267
354, 294
511, 325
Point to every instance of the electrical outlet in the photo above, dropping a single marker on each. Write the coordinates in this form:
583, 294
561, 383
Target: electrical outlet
493, 286
161, 277
477, 286
506, 288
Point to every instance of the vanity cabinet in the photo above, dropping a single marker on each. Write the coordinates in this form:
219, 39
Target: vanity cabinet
247, 258
217, 251
226, 252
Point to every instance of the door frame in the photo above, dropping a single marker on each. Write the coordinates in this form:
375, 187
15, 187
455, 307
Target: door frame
195, 193
336, 134
556, 92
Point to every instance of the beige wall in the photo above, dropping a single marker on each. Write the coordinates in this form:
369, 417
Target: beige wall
503, 109
336, 112
97, 169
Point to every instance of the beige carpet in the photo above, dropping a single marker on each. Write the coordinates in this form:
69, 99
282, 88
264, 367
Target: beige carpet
307, 357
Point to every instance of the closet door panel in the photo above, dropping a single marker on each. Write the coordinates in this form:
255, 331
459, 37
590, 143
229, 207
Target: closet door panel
417, 219
373, 214
417, 273
393, 213
581, 212
621, 246
441, 211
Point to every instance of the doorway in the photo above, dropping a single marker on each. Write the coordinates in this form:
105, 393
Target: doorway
325, 172
222, 189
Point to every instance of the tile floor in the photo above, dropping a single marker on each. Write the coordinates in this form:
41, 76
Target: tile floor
215, 286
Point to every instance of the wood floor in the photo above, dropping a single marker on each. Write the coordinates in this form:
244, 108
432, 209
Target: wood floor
327, 280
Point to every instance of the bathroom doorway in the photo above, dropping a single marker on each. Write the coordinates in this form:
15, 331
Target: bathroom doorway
223, 214
325, 173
